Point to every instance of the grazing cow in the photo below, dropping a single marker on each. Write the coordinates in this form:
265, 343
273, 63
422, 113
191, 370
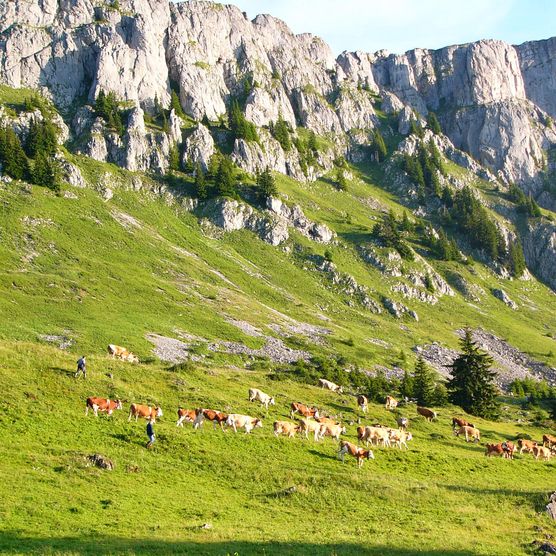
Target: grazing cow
102, 405
146, 411
391, 403
400, 438
217, 417
286, 428
458, 422
542, 452
304, 410
526, 446
306, 426
548, 440
323, 383
402, 423
122, 353
503, 449
260, 396
355, 451
332, 430
428, 414
363, 403
236, 421
469, 432
185, 415
326, 421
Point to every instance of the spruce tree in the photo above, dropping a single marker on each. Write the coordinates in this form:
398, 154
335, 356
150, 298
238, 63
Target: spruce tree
174, 158
281, 133
225, 181
433, 123
175, 104
267, 185
200, 183
379, 146
424, 383
472, 384
407, 385
341, 179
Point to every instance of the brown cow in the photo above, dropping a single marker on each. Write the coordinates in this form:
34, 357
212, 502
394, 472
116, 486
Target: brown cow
503, 449
469, 432
526, 446
391, 403
186, 415
146, 411
458, 422
355, 451
326, 421
428, 414
363, 403
102, 405
304, 410
286, 428
548, 440
210, 415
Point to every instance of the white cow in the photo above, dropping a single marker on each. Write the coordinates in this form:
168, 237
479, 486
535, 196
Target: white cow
259, 395
323, 383
236, 421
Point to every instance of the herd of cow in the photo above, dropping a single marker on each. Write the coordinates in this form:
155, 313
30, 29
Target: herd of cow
320, 426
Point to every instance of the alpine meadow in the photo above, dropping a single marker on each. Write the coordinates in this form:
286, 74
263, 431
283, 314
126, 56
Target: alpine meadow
259, 299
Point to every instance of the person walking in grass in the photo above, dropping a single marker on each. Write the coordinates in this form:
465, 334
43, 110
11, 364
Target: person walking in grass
81, 367
150, 432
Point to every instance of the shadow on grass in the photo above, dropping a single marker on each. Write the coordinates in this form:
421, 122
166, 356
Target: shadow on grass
325, 456
12, 543
63, 371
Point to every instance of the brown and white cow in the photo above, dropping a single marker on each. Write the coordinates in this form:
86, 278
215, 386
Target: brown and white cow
186, 415
258, 395
391, 403
363, 403
102, 404
469, 432
375, 435
148, 412
428, 414
217, 417
285, 428
502, 449
304, 410
542, 452
334, 431
355, 451
119, 352
458, 422
400, 438
548, 440
323, 383
235, 420
402, 423
526, 446
326, 421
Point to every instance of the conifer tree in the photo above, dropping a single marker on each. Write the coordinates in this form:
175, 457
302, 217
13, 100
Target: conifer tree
424, 383
433, 123
225, 181
281, 133
379, 146
174, 158
407, 385
267, 185
200, 183
472, 384
175, 104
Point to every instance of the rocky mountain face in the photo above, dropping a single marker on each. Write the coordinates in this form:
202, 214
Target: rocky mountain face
496, 102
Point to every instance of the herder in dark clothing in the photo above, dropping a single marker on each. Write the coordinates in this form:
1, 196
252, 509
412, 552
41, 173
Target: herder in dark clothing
81, 367
150, 432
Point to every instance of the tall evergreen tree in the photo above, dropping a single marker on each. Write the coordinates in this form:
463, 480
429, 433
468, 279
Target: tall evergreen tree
200, 182
175, 104
174, 158
281, 133
407, 385
379, 146
225, 181
423, 383
433, 123
267, 185
472, 384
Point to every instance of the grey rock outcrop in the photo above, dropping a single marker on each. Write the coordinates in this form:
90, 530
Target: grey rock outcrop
539, 249
199, 147
504, 297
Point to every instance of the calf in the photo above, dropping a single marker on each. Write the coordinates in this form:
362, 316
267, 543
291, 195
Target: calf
323, 383
307, 426
258, 395
186, 415
363, 403
236, 421
355, 451
458, 422
102, 405
526, 446
400, 438
304, 410
428, 414
548, 440
146, 411
391, 403
469, 432
542, 452
217, 417
332, 430
286, 428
